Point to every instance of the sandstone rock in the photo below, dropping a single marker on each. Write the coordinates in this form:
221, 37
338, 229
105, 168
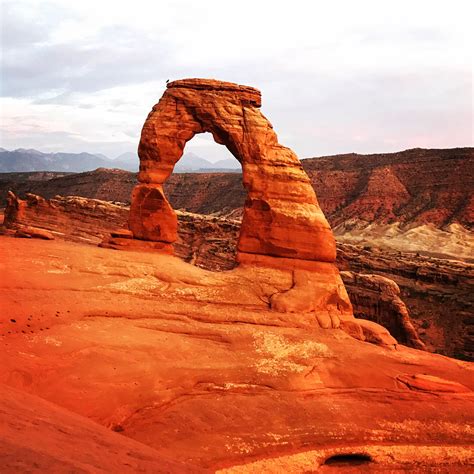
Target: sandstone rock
438, 292
195, 365
376, 334
411, 187
71, 218
151, 216
33, 233
281, 215
209, 242
38, 436
310, 292
127, 243
378, 298
431, 383
122, 234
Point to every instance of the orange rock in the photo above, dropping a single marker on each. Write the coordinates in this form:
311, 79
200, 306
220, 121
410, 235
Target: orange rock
432, 383
195, 365
33, 233
151, 216
281, 214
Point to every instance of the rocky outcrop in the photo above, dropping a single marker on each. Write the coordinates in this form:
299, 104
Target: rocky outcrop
210, 243
418, 186
282, 223
438, 292
281, 216
71, 218
378, 299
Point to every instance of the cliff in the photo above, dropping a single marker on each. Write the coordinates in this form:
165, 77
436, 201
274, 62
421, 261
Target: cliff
416, 186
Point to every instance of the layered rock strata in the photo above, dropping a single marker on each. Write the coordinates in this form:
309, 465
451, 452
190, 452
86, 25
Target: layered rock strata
438, 292
205, 241
378, 298
281, 216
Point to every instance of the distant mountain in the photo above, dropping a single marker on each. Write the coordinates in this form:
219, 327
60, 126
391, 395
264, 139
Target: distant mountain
191, 162
228, 164
25, 160
128, 161
34, 160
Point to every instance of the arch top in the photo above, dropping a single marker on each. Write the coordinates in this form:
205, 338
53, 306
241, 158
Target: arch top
212, 85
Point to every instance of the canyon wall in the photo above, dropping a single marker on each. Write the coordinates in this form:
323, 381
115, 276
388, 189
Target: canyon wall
416, 186
419, 186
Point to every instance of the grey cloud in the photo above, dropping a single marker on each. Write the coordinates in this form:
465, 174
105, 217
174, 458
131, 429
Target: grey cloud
328, 108
25, 24
117, 55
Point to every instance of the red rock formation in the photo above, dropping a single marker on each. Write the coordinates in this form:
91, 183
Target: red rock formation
281, 215
195, 365
210, 242
411, 187
38, 436
71, 218
438, 292
438, 183
378, 298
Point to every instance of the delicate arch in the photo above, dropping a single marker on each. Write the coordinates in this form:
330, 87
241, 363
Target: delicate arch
281, 218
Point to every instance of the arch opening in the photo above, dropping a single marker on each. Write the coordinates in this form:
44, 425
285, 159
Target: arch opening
207, 194
203, 154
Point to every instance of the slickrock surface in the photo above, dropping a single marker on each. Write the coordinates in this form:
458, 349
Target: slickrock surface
208, 242
38, 436
281, 216
195, 365
438, 293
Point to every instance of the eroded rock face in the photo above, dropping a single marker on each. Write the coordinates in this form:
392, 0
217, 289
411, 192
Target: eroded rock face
70, 218
209, 242
281, 216
378, 298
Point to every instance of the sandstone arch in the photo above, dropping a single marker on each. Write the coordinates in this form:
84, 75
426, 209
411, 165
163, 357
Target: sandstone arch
282, 217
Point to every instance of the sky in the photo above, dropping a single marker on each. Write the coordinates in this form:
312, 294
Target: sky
336, 76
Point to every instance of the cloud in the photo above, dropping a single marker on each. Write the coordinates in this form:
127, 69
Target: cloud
346, 76
115, 56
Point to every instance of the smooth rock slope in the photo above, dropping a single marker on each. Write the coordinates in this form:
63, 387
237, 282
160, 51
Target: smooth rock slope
196, 365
